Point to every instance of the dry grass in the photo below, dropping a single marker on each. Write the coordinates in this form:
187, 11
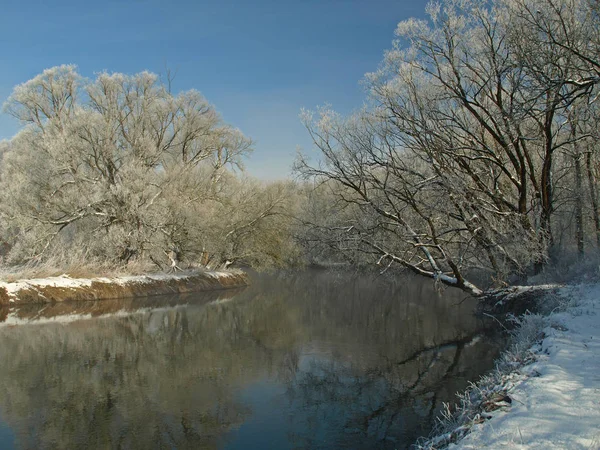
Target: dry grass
75, 266
79, 265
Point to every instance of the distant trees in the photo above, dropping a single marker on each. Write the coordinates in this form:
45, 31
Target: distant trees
473, 140
126, 170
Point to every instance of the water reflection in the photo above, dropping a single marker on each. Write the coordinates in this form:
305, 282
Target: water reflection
306, 361
71, 311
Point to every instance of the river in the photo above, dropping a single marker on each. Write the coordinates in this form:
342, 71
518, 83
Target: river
313, 360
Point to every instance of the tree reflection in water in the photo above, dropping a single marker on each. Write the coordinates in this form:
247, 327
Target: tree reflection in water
305, 361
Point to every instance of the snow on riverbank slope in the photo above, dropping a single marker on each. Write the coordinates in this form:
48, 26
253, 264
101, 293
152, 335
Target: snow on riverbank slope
64, 288
556, 404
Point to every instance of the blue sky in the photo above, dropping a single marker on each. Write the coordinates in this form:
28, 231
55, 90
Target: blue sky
259, 62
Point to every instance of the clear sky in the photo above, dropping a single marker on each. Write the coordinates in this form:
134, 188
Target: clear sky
259, 62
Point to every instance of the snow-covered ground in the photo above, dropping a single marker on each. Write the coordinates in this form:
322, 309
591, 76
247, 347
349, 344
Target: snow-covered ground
554, 399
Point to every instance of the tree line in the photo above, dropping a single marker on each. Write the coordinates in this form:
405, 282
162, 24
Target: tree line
476, 150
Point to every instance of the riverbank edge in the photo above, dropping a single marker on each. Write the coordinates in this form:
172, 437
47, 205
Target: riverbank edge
65, 288
531, 340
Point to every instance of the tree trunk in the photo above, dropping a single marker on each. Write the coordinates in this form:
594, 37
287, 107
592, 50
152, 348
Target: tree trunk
547, 197
593, 196
579, 237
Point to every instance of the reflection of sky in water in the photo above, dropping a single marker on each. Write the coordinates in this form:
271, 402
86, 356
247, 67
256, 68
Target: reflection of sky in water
292, 363
267, 426
283, 416
326, 405
7, 438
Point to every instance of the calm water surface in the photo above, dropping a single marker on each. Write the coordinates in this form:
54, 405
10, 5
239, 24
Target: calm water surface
314, 360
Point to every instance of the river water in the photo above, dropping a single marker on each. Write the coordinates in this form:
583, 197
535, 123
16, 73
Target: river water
313, 360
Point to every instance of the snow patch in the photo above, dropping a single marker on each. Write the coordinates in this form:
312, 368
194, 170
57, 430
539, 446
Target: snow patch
62, 281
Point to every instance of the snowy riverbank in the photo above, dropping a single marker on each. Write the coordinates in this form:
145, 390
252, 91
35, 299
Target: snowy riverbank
545, 393
64, 288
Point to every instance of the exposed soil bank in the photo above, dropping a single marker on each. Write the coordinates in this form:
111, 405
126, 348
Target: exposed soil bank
63, 288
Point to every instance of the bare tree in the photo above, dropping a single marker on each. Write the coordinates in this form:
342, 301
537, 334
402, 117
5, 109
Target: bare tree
457, 154
403, 216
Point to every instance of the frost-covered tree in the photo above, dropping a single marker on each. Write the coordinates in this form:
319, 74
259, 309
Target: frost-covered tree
121, 167
456, 162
